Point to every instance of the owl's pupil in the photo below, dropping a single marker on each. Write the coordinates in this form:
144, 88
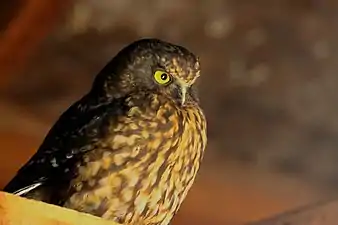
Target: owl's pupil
164, 76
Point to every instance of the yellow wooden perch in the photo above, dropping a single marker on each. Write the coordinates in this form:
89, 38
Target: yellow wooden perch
16, 210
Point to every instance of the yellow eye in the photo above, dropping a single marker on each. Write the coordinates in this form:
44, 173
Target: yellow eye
162, 77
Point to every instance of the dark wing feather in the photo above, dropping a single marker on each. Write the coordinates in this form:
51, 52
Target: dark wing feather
76, 132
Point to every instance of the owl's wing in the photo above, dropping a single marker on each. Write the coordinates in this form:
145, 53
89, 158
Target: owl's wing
76, 132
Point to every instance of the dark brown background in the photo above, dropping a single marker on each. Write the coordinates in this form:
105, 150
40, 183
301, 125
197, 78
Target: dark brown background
269, 89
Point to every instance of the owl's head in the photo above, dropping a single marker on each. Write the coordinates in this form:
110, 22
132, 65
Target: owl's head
152, 65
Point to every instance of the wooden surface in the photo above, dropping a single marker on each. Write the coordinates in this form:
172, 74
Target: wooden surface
19, 211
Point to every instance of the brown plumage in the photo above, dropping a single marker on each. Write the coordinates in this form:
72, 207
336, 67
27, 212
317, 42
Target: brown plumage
130, 149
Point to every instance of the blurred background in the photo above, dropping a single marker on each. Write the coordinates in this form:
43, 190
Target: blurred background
269, 90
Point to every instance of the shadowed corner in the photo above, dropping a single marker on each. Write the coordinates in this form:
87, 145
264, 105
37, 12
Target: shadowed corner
16, 210
322, 213
23, 32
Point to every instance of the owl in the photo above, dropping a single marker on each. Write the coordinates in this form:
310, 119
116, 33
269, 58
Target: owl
129, 150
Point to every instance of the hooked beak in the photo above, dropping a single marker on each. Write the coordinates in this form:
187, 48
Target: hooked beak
183, 88
183, 94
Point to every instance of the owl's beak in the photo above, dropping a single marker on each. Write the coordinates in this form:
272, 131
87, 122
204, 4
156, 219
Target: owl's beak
183, 88
183, 93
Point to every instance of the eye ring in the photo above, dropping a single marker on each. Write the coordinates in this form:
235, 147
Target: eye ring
162, 77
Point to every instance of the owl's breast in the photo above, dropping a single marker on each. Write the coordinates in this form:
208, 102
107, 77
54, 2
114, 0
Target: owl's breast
178, 161
145, 168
